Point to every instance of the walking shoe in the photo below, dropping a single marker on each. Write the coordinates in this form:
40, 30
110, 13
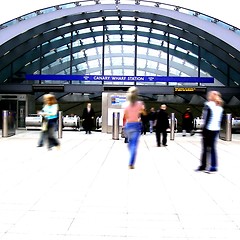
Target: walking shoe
131, 167
58, 147
210, 172
200, 169
213, 169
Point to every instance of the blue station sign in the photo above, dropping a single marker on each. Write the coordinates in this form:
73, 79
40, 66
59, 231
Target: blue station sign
104, 78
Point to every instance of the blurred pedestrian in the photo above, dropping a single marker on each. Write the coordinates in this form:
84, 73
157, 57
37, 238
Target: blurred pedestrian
132, 112
88, 118
212, 117
50, 113
187, 122
43, 133
151, 118
162, 124
144, 120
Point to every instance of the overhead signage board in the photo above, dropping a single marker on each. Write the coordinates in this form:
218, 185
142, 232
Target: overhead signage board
147, 79
190, 90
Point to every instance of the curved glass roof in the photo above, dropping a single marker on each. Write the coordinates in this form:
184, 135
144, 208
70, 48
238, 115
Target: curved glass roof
123, 38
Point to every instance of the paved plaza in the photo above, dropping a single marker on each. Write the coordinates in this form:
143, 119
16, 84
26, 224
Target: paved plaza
86, 191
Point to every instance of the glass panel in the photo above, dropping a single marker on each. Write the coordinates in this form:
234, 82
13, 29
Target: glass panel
142, 39
128, 49
116, 49
155, 41
143, 29
155, 31
79, 22
99, 19
126, 27
113, 27
128, 72
117, 61
128, 38
113, 38
87, 41
85, 30
97, 28
91, 52
128, 61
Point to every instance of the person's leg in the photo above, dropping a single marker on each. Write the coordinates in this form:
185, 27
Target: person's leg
133, 147
41, 139
150, 126
213, 166
164, 134
205, 144
133, 131
52, 141
158, 138
87, 127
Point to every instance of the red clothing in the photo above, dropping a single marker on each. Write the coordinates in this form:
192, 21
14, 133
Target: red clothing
132, 111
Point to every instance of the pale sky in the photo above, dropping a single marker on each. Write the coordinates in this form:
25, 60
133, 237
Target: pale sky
227, 11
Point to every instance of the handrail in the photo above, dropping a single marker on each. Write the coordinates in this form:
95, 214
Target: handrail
117, 2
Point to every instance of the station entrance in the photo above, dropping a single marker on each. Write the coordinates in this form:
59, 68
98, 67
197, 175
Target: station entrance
17, 103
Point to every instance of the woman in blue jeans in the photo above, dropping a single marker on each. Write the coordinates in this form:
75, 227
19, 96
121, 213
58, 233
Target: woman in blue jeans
50, 113
212, 116
133, 125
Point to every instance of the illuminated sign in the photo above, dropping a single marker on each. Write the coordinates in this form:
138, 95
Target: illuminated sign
119, 78
118, 100
190, 90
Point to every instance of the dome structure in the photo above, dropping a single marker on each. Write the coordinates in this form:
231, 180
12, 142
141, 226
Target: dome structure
118, 38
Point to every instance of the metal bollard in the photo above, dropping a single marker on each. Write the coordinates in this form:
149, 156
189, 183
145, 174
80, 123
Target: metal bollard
5, 123
8, 123
172, 126
115, 127
60, 124
228, 125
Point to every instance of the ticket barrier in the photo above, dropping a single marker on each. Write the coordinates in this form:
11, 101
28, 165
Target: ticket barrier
72, 122
33, 121
9, 123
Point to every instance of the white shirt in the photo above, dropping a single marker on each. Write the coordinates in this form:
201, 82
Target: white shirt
212, 116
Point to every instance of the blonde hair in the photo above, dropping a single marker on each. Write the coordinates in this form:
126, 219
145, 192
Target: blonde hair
132, 94
211, 95
50, 98
216, 97
219, 101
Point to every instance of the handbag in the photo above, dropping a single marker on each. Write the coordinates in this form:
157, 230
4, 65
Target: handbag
44, 126
123, 133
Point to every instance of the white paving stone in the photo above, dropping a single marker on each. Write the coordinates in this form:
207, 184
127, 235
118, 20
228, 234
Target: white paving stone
86, 191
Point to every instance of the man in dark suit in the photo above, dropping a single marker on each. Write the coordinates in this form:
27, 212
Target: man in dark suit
162, 124
88, 118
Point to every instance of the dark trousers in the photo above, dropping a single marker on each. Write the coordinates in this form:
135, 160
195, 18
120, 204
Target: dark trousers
87, 126
52, 140
209, 146
164, 137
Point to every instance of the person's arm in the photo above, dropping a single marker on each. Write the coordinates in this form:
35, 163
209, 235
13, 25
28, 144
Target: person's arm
206, 116
125, 117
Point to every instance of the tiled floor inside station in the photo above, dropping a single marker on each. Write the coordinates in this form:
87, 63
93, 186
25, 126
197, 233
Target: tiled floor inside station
86, 191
